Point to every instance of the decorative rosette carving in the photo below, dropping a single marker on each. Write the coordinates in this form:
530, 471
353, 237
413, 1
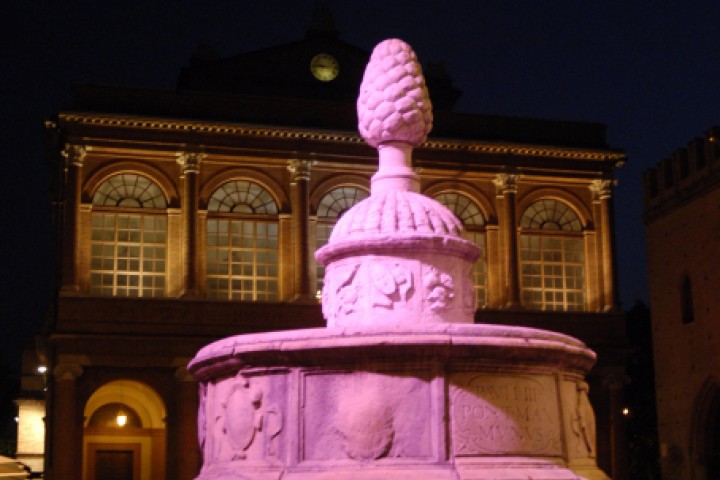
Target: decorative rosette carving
394, 104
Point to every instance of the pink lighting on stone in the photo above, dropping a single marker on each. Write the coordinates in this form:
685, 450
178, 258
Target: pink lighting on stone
401, 384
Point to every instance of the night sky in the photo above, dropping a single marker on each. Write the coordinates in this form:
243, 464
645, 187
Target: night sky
647, 69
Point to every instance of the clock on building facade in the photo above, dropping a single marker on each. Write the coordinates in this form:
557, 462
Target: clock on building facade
324, 67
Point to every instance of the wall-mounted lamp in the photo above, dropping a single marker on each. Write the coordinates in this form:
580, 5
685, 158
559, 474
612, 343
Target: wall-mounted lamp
121, 418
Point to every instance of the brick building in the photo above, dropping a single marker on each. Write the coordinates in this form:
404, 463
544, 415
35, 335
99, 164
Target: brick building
682, 223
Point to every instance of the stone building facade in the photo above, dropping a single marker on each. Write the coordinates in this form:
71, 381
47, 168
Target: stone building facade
189, 215
682, 222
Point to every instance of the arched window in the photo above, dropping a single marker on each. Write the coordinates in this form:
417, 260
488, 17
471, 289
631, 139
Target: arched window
551, 257
332, 206
242, 243
474, 223
128, 248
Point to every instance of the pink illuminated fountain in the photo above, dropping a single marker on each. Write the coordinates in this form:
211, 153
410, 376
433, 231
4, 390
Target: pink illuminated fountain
401, 384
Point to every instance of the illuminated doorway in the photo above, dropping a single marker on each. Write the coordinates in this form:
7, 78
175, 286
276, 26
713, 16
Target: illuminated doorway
124, 434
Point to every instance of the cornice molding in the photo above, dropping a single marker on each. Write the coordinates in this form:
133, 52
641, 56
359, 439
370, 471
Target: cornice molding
286, 133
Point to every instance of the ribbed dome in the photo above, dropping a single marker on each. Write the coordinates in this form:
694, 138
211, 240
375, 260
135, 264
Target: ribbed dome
396, 212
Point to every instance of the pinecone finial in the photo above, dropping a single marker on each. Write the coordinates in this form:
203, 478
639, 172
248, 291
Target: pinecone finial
394, 105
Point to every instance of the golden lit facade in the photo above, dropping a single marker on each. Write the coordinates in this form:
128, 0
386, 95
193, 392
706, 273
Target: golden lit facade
184, 217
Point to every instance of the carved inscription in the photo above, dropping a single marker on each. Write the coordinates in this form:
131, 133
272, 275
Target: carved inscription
504, 414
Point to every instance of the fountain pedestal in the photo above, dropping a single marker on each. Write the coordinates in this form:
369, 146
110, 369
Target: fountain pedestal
443, 402
402, 384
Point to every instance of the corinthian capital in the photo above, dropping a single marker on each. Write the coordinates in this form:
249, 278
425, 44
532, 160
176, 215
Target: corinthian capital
190, 161
74, 154
601, 189
301, 169
506, 182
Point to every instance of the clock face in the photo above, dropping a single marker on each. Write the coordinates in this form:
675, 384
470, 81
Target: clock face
324, 67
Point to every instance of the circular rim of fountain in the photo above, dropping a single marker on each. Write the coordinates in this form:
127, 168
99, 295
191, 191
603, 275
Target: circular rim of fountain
455, 342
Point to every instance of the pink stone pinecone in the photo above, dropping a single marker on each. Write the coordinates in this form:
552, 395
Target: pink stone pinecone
394, 104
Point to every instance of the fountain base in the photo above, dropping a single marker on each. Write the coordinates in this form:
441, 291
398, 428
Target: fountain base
440, 401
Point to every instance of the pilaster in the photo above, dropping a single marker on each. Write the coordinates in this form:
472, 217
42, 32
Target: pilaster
189, 168
188, 451
506, 185
602, 194
300, 183
74, 156
67, 424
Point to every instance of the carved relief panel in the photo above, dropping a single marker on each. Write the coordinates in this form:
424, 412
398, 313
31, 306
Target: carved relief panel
579, 420
365, 416
241, 418
504, 414
376, 289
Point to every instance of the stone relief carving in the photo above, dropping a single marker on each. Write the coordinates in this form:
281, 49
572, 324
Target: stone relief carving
365, 426
583, 422
341, 293
391, 282
240, 419
439, 287
274, 425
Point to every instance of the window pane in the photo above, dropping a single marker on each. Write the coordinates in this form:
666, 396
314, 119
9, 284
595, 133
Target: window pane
552, 270
236, 268
125, 252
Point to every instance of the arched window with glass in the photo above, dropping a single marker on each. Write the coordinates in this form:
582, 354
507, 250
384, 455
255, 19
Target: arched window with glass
552, 260
473, 222
331, 207
242, 238
128, 247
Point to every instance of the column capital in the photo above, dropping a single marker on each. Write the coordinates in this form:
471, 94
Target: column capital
67, 371
74, 154
190, 161
601, 188
506, 182
300, 169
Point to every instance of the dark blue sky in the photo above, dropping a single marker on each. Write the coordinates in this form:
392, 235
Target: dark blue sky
647, 69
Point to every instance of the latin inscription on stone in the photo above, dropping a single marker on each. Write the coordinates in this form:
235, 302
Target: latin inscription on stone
504, 414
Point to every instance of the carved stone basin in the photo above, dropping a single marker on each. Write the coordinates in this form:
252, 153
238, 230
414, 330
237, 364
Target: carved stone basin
442, 401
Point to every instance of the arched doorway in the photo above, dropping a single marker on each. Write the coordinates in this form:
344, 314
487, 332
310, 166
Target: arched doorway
705, 434
124, 433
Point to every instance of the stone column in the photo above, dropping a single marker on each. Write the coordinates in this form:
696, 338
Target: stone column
74, 157
188, 451
506, 185
67, 428
300, 169
602, 193
190, 167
